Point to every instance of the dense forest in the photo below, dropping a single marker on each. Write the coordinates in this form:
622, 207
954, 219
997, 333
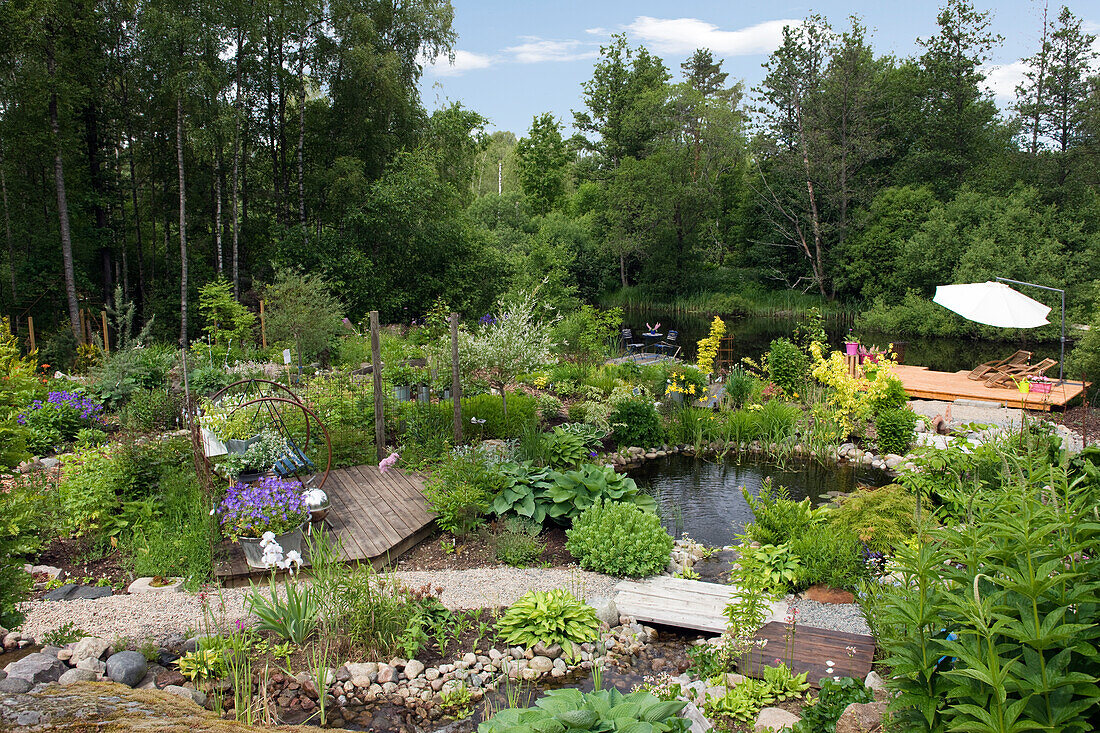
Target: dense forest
155, 145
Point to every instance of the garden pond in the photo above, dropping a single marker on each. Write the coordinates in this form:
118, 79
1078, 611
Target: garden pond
752, 336
702, 497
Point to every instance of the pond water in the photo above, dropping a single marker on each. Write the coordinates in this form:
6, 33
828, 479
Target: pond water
753, 334
703, 497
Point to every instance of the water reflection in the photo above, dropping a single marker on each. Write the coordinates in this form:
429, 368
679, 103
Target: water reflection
703, 497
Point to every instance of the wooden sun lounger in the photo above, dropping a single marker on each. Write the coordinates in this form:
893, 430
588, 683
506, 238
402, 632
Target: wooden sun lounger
1010, 376
985, 370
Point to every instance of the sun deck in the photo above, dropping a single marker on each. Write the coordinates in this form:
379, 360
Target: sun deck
926, 384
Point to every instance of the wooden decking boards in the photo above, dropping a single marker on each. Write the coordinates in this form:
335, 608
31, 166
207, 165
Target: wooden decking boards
376, 517
808, 649
925, 384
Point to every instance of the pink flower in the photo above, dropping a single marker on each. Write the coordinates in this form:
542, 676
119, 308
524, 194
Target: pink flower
388, 462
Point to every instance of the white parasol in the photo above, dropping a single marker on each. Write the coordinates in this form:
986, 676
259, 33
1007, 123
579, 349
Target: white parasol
994, 304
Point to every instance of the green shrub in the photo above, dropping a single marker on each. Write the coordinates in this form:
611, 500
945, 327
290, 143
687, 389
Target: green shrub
881, 518
896, 429
778, 566
206, 380
892, 395
577, 412
565, 449
518, 549
150, 410
58, 418
777, 519
836, 695
521, 414
351, 447
27, 519
741, 387
550, 617
177, 541
63, 635
827, 555
90, 438
787, 366
776, 421
460, 490
549, 407
601, 710
619, 539
636, 423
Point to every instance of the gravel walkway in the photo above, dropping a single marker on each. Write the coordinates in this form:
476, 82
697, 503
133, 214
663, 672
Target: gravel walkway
153, 615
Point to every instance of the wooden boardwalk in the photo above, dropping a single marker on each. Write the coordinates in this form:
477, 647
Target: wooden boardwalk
687, 604
375, 517
808, 649
925, 384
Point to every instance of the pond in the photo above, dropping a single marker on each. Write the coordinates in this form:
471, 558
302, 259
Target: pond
753, 334
703, 497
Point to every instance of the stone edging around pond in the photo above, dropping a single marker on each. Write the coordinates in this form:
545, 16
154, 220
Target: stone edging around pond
850, 453
356, 686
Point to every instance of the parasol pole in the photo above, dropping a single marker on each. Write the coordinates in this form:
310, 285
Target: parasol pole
1062, 357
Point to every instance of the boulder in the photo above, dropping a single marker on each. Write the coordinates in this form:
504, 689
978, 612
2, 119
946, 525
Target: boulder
363, 674
553, 651
92, 665
37, 668
413, 668
699, 722
11, 640
145, 585
73, 676
170, 677
127, 668
90, 647
777, 719
15, 685
187, 694
541, 664
861, 718
606, 610
386, 673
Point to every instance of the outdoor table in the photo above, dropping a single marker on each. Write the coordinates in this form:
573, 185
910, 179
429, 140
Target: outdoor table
652, 339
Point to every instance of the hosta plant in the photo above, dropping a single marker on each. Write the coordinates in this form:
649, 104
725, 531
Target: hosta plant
609, 711
550, 617
575, 491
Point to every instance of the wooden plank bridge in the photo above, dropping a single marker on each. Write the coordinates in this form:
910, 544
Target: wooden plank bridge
375, 517
693, 604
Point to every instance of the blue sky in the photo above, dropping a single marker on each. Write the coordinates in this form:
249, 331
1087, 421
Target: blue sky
519, 58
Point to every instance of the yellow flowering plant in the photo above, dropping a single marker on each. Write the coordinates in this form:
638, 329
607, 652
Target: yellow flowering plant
851, 399
708, 347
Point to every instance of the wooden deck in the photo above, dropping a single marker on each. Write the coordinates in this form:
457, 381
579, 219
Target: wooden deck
808, 649
375, 517
687, 604
925, 384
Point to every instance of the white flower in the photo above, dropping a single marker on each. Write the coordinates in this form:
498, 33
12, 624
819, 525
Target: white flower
829, 663
294, 557
267, 538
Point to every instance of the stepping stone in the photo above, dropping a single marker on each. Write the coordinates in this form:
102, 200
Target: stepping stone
72, 592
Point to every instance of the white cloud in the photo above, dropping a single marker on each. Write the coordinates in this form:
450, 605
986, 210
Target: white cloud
535, 50
1002, 79
463, 61
684, 35
597, 31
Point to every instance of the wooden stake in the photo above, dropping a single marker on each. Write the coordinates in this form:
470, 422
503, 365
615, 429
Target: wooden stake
376, 372
456, 379
83, 327
106, 340
263, 326
30, 327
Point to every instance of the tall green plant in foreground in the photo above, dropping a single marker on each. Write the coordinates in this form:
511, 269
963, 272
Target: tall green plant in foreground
993, 625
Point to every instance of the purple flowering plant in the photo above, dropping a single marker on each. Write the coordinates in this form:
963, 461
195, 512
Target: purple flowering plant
58, 418
270, 505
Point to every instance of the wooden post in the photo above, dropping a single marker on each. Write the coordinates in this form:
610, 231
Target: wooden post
83, 328
106, 339
263, 326
376, 372
456, 379
30, 327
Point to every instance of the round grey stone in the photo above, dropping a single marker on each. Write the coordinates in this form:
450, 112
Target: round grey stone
73, 676
127, 668
12, 685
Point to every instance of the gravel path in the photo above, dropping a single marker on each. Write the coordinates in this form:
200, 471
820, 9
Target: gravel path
153, 615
